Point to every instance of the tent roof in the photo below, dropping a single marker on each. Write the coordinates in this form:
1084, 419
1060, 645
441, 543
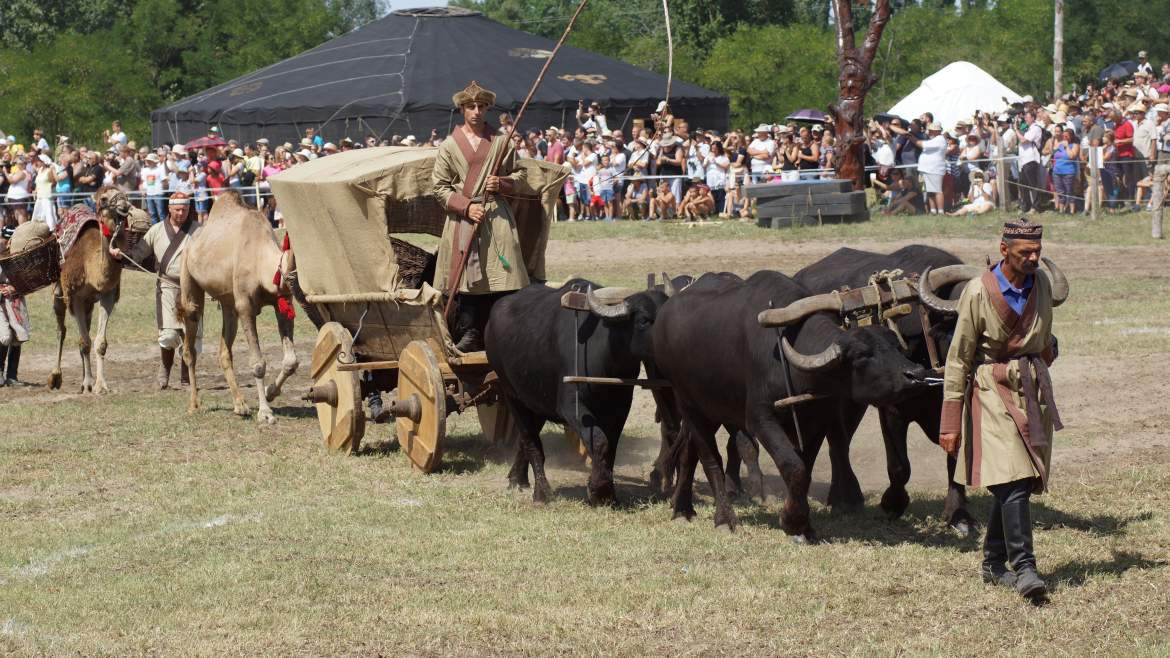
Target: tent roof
955, 92
415, 60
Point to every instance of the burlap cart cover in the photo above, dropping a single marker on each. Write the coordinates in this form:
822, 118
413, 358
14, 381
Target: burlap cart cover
340, 210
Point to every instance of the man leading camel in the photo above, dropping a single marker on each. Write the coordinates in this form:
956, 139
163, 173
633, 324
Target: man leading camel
166, 242
466, 180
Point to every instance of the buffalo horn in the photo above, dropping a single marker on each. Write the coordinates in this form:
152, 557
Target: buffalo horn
668, 285
800, 309
827, 358
601, 305
1059, 282
933, 279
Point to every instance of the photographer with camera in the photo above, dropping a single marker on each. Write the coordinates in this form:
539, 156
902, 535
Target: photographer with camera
591, 117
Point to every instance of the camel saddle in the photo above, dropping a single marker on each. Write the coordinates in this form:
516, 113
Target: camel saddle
75, 219
78, 217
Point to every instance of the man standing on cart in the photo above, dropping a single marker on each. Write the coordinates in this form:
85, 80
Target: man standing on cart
474, 167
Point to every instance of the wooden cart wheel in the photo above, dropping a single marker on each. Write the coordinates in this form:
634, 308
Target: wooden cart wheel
336, 395
421, 391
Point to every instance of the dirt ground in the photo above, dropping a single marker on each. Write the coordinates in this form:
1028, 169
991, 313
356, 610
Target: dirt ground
1104, 418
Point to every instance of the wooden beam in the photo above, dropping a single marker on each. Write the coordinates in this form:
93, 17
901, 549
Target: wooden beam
367, 365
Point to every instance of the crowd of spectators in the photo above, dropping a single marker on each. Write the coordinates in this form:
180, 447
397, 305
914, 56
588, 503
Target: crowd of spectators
661, 168
1045, 149
39, 180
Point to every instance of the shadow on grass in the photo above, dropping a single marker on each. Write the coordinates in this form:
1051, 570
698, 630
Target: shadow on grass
295, 412
1075, 574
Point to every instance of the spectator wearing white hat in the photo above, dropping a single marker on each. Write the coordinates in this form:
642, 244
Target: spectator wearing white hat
761, 150
409, 140
153, 186
1144, 64
932, 163
1161, 168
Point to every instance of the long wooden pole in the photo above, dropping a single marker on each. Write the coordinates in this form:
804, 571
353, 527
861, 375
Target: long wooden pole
465, 254
1058, 50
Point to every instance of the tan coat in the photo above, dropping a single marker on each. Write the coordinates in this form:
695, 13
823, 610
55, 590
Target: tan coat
496, 263
997, 446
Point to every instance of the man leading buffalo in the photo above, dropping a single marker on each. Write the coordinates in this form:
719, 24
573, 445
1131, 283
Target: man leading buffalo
475, 165
998, 411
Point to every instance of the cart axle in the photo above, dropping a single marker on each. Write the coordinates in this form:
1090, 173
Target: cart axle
410, 407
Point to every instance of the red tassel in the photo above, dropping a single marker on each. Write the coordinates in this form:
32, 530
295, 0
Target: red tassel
286, 245
285, 308
276, 279
105, 230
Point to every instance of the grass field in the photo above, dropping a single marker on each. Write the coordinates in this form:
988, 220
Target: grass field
128, 527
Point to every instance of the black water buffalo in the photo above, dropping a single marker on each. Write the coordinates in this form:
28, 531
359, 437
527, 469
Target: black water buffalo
533, 343
725, 369
852, 268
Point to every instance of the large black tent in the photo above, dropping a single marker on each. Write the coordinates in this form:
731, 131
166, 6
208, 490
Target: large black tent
397, 75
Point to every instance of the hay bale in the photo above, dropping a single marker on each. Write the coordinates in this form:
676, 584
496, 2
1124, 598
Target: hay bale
29, 235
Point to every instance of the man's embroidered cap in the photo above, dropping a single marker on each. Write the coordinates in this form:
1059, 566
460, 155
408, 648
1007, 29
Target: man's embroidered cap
1022, 229
474, 94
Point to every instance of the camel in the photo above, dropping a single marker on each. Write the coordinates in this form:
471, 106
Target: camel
89, 275
234, 258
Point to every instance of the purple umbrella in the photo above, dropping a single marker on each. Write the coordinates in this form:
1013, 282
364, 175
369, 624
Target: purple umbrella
814, 116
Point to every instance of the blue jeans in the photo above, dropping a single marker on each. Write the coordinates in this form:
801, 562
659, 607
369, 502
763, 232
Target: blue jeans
156, 205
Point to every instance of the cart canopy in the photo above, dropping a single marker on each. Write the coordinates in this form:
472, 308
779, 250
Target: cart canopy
340, 211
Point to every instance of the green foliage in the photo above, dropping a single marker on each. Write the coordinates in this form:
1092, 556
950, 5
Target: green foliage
769, 56
770, 71
74, 86
74, 66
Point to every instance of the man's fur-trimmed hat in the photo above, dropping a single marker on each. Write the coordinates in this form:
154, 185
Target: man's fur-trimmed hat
474, 93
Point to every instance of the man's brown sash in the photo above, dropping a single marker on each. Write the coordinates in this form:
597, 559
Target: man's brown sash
475, 164
1030, 423
176, 238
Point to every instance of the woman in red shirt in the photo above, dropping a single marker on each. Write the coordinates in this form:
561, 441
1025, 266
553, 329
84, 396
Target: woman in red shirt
1131, 169
216, 183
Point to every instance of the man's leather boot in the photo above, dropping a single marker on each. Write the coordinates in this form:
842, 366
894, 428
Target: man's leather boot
995, 554
1017, 527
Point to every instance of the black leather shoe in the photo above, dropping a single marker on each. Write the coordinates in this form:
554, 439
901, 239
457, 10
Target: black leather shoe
1030, 586
997, 574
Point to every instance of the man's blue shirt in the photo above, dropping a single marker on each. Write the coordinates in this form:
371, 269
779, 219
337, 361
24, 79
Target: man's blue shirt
1016, 298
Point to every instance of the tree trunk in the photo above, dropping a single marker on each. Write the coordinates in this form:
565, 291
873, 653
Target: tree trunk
854, 82
1058, 50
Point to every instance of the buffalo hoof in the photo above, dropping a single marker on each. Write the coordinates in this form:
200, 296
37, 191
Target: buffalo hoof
540, 496
808, 538
518, 484
846, 499
683, 516
270, 392
963, 524
264, 416
895, 502
55, 381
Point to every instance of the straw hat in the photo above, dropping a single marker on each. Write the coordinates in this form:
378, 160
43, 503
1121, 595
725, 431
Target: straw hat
1162, 107
763, 128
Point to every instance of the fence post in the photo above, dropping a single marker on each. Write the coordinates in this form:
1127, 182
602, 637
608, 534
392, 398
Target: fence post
1001, 172
1094, 180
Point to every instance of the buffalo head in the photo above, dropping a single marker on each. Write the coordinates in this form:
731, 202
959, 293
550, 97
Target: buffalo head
631, 313
865, 364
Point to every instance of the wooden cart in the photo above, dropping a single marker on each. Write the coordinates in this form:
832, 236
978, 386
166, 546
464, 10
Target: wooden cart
350, 218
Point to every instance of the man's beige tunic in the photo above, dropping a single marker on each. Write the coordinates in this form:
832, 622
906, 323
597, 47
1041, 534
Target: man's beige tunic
167, 245
998, 445
496, 263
